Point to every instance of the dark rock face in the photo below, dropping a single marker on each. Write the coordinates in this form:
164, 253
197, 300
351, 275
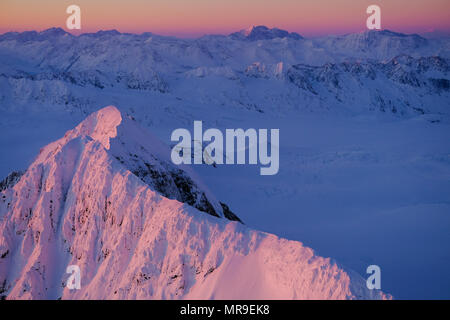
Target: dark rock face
11, 180
174, 183
229, 214
441, 84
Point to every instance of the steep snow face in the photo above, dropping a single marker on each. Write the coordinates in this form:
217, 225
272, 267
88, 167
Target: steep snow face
77, 204
145, 156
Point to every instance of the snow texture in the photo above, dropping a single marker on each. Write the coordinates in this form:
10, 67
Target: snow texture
79, 204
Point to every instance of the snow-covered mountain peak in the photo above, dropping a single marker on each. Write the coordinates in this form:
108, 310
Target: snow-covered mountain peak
108, 133
246, 32
254, 33
109, 212
101, 125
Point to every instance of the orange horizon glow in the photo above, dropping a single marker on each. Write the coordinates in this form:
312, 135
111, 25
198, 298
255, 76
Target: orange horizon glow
188, 18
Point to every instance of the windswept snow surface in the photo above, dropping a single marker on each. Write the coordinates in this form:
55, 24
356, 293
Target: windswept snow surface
364, 129
78, 204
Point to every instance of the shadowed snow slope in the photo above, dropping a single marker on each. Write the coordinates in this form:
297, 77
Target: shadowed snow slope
95, 199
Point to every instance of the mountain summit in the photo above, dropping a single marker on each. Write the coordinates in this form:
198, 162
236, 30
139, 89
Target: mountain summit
263, 33
98, 198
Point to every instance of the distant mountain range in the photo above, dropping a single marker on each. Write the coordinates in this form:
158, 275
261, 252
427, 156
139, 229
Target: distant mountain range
377, 69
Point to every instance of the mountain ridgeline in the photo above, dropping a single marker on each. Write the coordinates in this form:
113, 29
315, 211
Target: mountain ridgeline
105, 198
257, 69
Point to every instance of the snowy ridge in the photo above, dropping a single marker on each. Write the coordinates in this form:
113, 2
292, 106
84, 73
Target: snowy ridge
79, 204
144, 155
356, 73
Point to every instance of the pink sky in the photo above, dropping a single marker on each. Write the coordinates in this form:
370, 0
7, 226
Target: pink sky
198, 17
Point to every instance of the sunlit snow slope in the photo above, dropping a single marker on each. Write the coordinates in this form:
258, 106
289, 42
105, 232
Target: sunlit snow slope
95, 199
